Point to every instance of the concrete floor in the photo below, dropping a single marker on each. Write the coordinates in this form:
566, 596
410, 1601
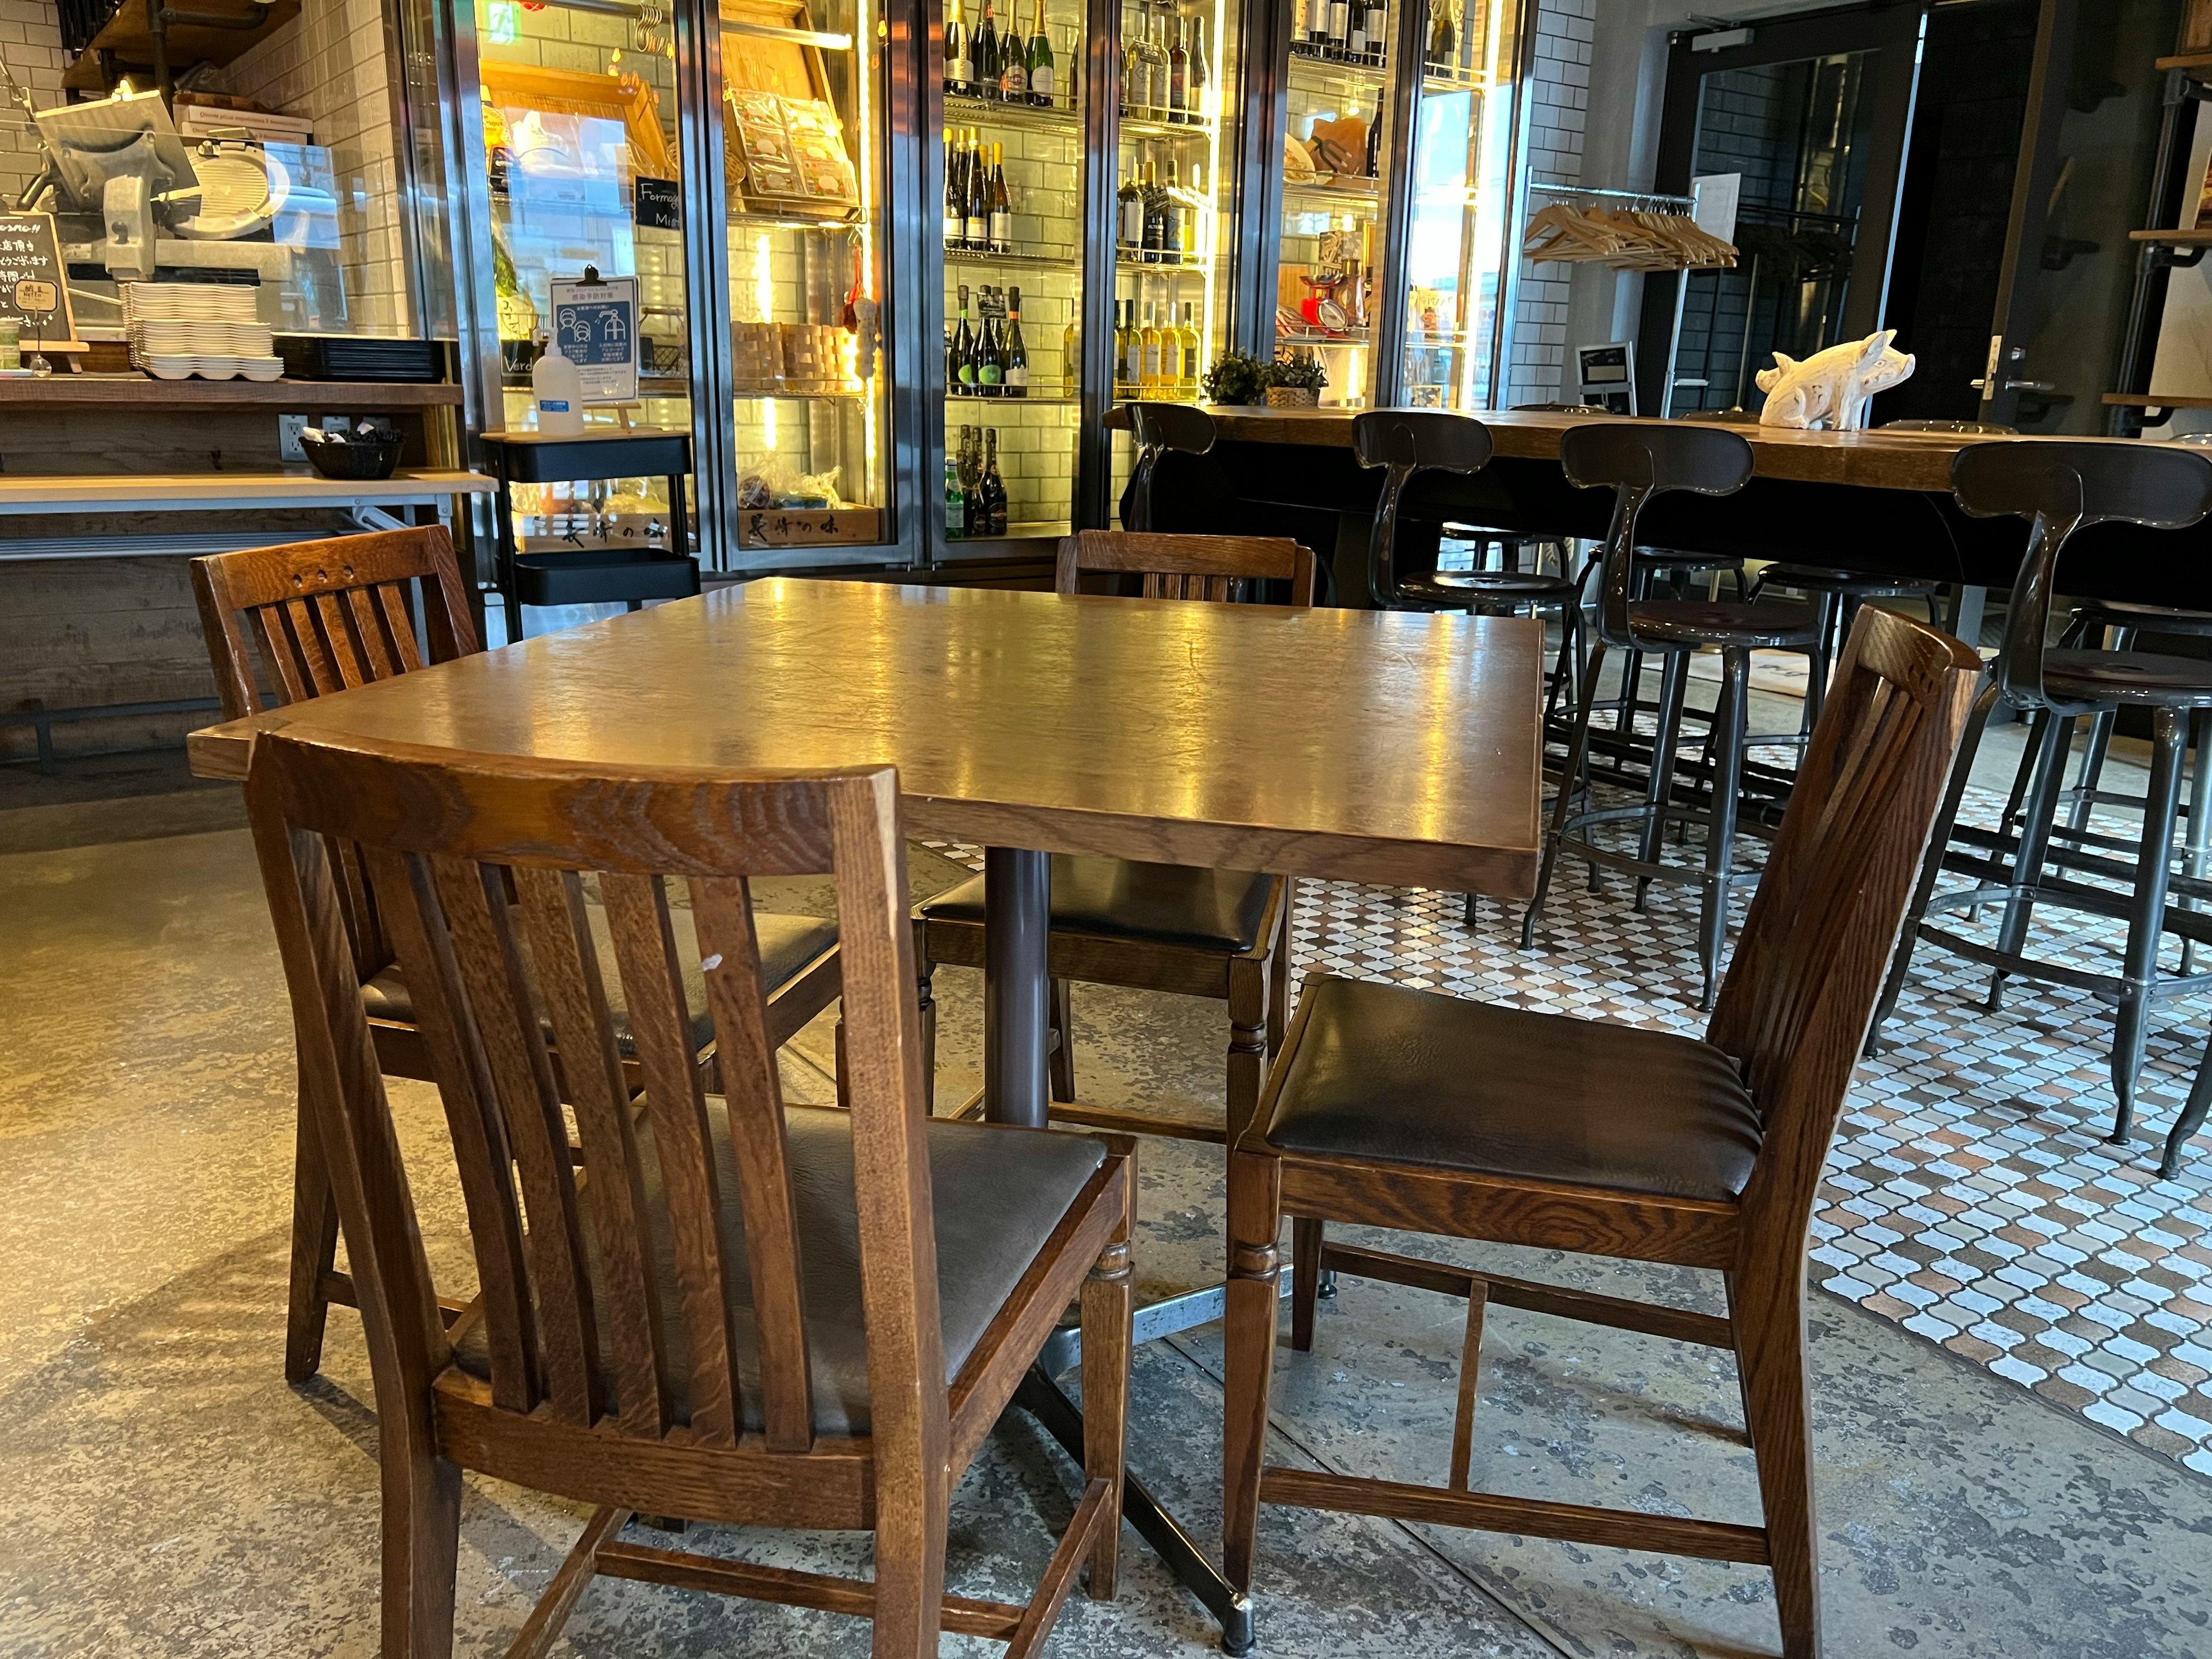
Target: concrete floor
163, 1492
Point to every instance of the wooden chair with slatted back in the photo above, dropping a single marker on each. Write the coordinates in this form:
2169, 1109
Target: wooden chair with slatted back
741, 1311
1396, 1108
1219, 933
315, 617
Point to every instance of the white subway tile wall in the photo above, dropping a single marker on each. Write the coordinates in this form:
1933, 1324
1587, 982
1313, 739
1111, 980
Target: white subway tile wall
31, 42
1559, 96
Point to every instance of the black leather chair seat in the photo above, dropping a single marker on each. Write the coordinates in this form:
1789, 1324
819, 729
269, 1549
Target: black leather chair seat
1499, 586
999, 1195
788, 943
2131, 676
1403, 1076
1851, 584
2148, 618
1216, 911
1685, 623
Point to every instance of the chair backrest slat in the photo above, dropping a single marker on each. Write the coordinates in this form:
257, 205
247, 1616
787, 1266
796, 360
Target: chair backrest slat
1185, 567
640, 1294
551, 903
684, 1145
1795, 1005
729, 951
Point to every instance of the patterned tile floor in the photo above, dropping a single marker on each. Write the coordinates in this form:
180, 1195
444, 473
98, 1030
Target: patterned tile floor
1970, 1197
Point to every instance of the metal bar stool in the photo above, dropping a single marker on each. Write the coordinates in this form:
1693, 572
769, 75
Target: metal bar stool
2060, 488
1836, 597
1639, 463
1159, 427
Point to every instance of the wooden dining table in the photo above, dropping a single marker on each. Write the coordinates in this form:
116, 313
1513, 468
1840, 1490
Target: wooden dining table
1387, 748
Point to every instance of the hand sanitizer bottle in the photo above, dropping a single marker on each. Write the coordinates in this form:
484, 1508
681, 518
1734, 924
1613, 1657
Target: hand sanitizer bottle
557, 390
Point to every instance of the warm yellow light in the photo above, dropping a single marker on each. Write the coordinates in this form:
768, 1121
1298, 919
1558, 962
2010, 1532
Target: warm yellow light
764, 305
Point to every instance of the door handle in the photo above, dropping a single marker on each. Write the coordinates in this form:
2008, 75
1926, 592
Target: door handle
2031, 386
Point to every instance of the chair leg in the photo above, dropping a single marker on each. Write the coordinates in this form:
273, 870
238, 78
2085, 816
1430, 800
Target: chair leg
1578, 752
421, 1545
1720, 835
1767, 1307
2034, 839
1247, 1041
1109, 1303
1256, 1221
2146, 916
1278, 974
1307, 1237
926, 975
1061, 1061
2197, 839
315, 1251
1931, 862
2191, 1119
1673, 682
2024, 777
2100, 743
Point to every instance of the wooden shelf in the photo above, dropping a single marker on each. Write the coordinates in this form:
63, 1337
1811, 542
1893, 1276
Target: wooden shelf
2197, 65
2173, 238
124, 36
2145, 400
138, 390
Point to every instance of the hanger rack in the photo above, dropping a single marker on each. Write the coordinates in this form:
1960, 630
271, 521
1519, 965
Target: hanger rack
1646, 200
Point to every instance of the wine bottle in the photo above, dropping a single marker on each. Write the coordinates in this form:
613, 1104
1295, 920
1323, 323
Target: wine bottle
1355, 38
986, 54
955, 200
1133, 367
1340, 30
1131, 198
1202, 74
963, 352
1120, 351
1178, 73
979, 203
1378, 32
1443, 48
1174, 240
959, 63
1155, 218
1017, 351
1041, 65
971, 482
1187, 375
990, 361
1148, 375
956, 500
1014, 61
994, 487
1001, 203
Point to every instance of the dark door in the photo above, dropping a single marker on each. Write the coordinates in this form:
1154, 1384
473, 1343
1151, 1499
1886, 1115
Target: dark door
1812, 112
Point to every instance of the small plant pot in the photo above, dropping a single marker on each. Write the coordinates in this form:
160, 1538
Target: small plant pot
1293, 397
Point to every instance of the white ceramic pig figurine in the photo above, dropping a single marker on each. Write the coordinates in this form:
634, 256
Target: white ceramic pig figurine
1828, 391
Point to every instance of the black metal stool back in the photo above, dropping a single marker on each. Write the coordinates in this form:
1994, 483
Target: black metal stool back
1158, 429
1637, 463
2062, 487
1404, 441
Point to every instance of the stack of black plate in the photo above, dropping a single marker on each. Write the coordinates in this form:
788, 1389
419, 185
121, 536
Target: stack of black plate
344, 357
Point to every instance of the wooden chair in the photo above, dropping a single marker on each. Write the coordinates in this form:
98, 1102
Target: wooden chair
1397, 1107
1220, 933
325, 616
738, 1311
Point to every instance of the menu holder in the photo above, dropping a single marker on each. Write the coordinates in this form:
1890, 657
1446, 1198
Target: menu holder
31, 267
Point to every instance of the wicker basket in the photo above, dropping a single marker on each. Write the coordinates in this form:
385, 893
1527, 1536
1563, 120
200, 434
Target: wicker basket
1293, 397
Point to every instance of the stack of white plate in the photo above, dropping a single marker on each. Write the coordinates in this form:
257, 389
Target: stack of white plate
178, 330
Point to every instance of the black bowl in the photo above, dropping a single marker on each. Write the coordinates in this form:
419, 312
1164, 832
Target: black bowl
357, 460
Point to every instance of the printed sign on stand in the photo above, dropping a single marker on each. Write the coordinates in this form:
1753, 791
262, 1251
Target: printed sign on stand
595, 325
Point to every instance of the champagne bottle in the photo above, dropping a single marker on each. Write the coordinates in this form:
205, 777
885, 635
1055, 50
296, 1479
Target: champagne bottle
1187, 375
1041, 65
979, 205
1014, 62
986, 54
990, 359
1178, 73
956, 500
963, 352
955, 200
959, 63
1017, 351
994, 487
1001, 203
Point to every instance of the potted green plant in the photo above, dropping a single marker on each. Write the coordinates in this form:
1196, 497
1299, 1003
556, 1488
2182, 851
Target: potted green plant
1294, 382
1235, 378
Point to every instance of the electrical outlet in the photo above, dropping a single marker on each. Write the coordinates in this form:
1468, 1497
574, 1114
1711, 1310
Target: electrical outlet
289, 429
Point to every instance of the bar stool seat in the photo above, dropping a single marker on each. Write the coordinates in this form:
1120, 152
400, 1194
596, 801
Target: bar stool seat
1855, 584
2133, 677
1659, 624
1459, 587
2143, 618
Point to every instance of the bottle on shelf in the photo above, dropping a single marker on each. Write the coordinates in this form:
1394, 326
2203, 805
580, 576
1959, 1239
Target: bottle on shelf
986, 55
1378, 32
978, 236
1148, 374
1131, 197
1178, 73
1014, 62
1041, 63
995, 486
1071, 359
959, 64
1017, 351
1336, 45
1186, 372
955, 191
999, 205
990, 354
961, 380
955, 500
971, 473
1443, 45
1355, 37
1121, 351
1156, 217
1175, 241
1202, 74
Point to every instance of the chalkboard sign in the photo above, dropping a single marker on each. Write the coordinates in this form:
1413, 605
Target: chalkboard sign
30, 252
660, 204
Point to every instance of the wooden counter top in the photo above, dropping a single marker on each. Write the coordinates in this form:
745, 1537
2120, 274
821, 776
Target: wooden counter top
1877, 459
138, 390
189, 492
